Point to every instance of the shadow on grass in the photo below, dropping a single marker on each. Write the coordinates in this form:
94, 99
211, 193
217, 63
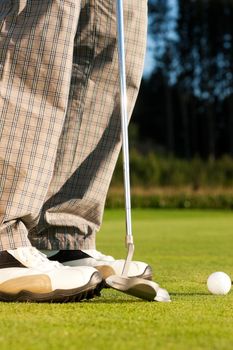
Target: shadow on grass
137, 300
189, 294
117, 301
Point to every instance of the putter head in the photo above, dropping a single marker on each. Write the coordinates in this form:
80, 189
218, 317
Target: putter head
138, 287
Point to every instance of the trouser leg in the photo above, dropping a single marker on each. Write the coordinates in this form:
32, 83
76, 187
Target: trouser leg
90, 141
36, 50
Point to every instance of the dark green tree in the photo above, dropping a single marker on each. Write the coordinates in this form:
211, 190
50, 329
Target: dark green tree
191, 86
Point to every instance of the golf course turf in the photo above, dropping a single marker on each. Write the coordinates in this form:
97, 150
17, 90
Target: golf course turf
183, 247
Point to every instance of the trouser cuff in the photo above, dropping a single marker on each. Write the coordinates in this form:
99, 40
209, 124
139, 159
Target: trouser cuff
63, 238
13, 234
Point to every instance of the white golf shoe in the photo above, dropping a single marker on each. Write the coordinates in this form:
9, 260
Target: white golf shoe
27, 275
105, 264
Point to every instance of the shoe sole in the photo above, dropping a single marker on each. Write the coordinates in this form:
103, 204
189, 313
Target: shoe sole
89, 291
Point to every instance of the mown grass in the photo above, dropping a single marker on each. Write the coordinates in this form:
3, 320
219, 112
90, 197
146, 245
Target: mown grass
183, 247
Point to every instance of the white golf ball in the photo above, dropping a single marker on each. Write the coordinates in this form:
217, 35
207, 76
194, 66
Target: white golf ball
219, 283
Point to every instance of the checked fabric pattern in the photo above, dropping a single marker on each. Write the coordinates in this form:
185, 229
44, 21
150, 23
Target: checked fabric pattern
60, 116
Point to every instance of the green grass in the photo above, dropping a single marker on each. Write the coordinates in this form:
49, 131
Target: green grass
183, 247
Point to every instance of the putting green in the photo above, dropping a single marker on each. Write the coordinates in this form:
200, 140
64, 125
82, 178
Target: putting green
183, 247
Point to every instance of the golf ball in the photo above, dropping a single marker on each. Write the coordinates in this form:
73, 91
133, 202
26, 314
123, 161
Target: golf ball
219, 283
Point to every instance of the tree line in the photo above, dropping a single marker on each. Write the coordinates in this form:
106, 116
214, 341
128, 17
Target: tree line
185, 106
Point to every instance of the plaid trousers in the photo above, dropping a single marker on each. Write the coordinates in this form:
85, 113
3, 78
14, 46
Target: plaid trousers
60, 131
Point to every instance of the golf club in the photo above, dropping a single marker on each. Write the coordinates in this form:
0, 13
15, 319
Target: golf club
135, 286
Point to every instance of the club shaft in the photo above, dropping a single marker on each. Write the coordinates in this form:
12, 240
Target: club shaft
124, 118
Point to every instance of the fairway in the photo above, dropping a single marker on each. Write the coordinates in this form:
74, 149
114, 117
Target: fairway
183, 247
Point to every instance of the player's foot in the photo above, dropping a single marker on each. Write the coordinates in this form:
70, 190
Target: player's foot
107, 265
27, 275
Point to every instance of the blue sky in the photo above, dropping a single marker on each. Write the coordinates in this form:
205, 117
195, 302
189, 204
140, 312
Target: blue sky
151, 45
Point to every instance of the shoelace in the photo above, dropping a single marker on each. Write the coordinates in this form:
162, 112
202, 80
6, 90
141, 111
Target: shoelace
35, 259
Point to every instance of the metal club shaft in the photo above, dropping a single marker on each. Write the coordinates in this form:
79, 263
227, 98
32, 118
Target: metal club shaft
124, 127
